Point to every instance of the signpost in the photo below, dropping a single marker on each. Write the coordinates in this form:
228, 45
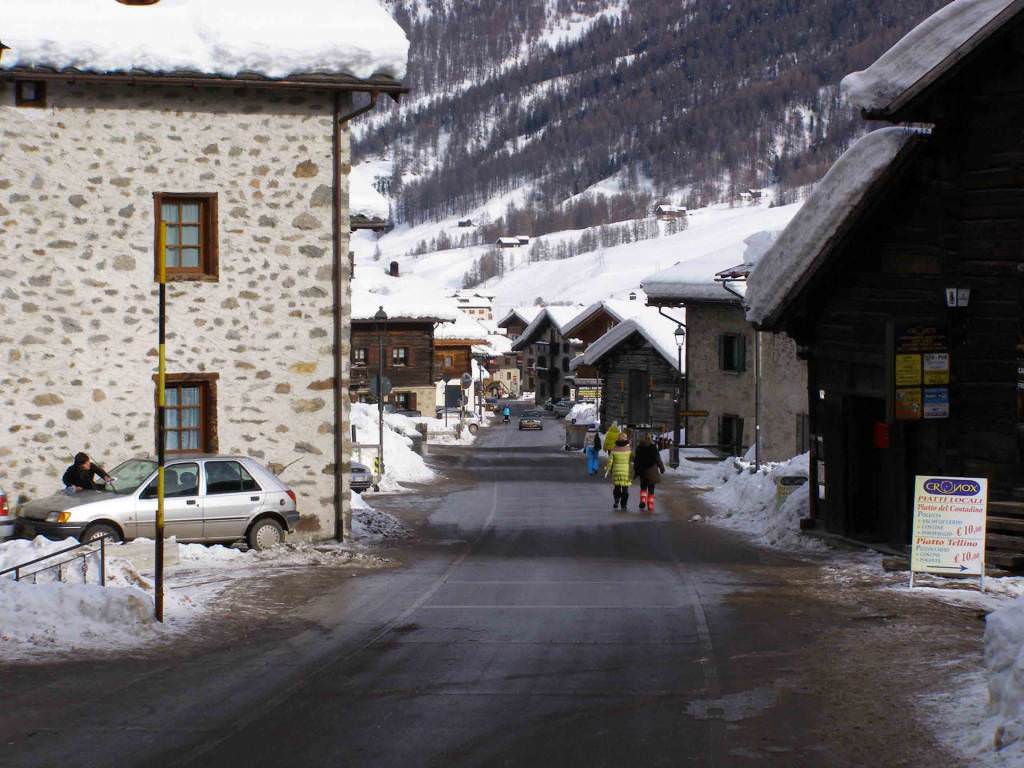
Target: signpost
949, 526
694, 414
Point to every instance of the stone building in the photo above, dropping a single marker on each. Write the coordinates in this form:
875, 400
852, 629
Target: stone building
248, 172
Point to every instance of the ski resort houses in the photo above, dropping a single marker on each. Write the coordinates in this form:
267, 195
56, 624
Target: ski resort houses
548, 352
901, 282
224, 139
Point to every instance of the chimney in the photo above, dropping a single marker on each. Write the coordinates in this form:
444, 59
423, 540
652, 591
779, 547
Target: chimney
394, 269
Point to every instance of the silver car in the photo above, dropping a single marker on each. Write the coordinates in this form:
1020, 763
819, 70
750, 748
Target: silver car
206, 499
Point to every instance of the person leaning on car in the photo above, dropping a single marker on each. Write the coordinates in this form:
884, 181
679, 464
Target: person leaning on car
79, 476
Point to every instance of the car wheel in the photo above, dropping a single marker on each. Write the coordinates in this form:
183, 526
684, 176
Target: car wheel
265, 534
95, 531
473, 429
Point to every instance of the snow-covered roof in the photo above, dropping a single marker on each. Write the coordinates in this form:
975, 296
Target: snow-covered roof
926, 53
619, 309
658, 331
509, 241
225, 38
671, 208
523, 314
694, 281
826, 214
403, 298
558, 316
464, 328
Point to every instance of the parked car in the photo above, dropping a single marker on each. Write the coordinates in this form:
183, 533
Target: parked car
531, 420
562, 407
361, 478
7, 519
207, 499
453, 410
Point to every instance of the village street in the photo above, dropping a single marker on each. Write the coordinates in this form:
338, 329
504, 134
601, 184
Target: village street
529, 625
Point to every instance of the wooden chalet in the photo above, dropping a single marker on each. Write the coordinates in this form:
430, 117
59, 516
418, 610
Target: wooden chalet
409, 361
548, 352
902, 282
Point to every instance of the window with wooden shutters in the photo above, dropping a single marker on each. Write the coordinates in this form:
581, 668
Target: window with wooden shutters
359, 357
399, 356
190, 418
192, 235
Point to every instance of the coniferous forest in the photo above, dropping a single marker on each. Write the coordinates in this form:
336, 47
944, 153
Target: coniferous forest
702, 98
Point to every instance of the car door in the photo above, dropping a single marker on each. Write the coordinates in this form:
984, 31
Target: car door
232, 497
183, 508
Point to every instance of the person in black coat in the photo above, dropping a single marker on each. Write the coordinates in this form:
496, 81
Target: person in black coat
648, 467
79, 476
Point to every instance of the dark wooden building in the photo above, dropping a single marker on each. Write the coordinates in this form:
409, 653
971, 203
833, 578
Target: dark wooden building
408, 361
637, 367
902, 282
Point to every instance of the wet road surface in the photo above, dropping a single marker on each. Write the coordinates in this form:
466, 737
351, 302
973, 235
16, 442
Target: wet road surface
532, 626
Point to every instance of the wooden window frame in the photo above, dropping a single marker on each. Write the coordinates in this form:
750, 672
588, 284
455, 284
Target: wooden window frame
210, 441
405, 357
20, 100
356, 362
740, 350
409, 403
208, 270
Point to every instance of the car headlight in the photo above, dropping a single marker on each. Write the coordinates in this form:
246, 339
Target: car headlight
58, 517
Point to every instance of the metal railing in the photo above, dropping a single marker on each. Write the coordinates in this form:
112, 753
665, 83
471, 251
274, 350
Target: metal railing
89, 546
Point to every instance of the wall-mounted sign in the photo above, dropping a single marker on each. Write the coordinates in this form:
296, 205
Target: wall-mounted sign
921, 371
949, 526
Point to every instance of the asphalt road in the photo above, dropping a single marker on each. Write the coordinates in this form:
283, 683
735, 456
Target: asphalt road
533, 626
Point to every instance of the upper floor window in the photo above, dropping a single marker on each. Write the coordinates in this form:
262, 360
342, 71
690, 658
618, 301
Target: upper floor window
359, 357
732, 352
29, 93
449, 361
192, 238
400, 356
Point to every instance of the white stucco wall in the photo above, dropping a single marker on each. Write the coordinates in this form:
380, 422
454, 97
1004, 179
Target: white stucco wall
78, 331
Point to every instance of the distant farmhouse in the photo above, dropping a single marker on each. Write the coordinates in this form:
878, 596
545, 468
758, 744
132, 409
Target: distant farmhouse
666, 212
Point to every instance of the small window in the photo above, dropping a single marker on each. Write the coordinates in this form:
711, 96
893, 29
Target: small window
400, 356
449, 361
405, 401
180, 481
192, 235
565, 364
732, 352
359, 357
29, 93
229, 477
190, 417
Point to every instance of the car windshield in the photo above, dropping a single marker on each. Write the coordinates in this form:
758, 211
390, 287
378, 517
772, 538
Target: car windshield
130, 475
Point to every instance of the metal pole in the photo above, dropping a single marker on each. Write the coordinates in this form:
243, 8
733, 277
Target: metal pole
103, 561
757, 400
380, 403
673, 459
161, 405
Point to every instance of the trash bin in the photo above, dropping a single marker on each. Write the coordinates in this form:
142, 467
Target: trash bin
785, 486
576, 436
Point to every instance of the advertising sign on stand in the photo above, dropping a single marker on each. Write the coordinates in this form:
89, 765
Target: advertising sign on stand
949, 526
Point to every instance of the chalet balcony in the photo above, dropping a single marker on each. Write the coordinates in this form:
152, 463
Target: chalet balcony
359, 377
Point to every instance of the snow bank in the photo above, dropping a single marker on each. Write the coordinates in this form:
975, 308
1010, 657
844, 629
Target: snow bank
371, 525
227, 37
836, 196
1004, 662
401, 463
582, 413
746, 500
945, 36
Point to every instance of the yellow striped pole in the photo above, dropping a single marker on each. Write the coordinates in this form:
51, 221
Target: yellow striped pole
161, 403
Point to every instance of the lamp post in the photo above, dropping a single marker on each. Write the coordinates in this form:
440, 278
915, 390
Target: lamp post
680, 337
380, 318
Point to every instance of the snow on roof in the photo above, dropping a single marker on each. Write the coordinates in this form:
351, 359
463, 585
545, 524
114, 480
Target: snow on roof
559, 316
464, 327
694, 281
524, 314
620, 309
672, 208
355, 38
785, 266
658, 330
926, 52
403, 298
364, 199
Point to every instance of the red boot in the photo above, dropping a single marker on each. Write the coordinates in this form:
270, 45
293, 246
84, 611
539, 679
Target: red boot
643, 500
650, 503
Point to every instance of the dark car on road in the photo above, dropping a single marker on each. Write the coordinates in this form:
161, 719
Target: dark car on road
362, 478
531, 420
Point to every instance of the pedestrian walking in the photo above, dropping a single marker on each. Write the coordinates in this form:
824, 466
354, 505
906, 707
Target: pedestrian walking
594, 454
620, 467
649, 468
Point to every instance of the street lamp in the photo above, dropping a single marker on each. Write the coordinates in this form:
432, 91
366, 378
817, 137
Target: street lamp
680, 398
381, 317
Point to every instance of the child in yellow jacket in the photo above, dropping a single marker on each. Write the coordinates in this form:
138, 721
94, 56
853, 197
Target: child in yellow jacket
620, 467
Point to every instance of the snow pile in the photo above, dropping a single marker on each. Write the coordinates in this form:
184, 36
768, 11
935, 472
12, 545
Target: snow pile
1004, 661
746, 499
946, 35
403, 298
227, 37
788, 262
372, 525
401, 463
582, 413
